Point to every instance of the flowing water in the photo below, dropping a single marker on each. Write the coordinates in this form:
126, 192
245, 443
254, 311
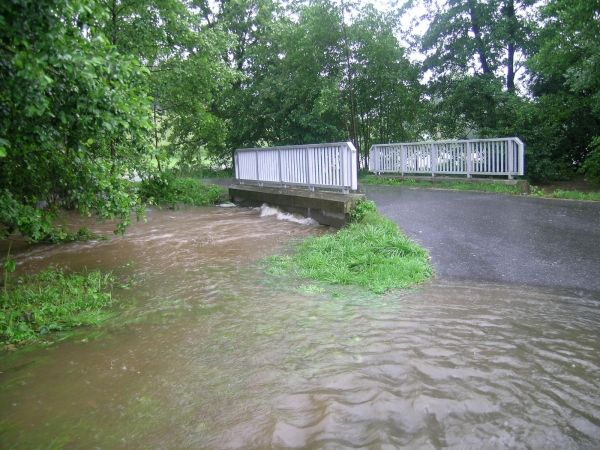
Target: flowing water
209, 352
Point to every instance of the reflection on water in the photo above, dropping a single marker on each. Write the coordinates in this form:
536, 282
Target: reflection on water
213, 354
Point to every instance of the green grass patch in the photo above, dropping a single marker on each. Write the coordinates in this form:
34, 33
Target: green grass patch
576, 195
32, 307
445, 184
371, 252
565, 194
170, 190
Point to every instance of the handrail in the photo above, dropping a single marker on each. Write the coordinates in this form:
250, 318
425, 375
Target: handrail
498, 156
323, 166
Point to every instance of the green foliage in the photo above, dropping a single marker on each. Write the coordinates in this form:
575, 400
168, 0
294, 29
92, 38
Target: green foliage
565, 71
371, 253
591, 166
74, 116
166, 189
34, 306
361, 209
385, 83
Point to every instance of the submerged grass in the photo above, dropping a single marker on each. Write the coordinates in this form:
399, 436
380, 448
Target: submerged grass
371, 252
34, 306
446, 184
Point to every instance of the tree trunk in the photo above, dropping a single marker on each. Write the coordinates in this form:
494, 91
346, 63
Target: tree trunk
509, 14
485, 67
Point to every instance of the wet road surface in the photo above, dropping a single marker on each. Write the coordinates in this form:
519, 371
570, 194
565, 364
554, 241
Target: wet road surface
500, 238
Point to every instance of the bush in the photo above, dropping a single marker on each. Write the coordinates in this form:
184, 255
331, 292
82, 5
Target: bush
591, 165
167, 189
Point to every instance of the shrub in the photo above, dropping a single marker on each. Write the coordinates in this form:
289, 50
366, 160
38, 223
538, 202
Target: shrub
167, 189
591, 165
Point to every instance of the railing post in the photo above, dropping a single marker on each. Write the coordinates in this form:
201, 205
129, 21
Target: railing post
339, 163
469, 160
511, 160
521, 147
306, 159
402, 159
237, 164
353, 167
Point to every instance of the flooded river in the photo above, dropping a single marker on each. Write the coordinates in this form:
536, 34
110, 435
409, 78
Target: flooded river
207, 351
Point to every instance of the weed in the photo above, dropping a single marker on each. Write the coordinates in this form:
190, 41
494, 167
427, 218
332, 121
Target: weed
52, 301
361, 209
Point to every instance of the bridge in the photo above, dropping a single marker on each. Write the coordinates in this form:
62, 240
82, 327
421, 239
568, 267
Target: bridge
321, 180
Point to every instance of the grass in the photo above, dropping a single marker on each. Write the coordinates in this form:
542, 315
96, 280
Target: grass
170, 190
34, 306
568, 194
446, 184
371, 252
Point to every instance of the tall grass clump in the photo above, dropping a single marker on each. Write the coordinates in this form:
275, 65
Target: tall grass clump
32, 307
371, 252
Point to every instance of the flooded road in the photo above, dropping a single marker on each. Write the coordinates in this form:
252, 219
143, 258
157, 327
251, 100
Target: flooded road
207, 351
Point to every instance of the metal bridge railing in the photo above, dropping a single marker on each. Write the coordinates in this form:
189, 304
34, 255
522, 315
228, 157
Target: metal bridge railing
330, 166
502, 157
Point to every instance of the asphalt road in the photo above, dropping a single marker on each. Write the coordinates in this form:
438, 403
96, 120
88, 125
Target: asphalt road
500, 238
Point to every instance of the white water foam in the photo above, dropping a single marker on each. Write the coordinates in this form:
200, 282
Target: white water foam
266, 211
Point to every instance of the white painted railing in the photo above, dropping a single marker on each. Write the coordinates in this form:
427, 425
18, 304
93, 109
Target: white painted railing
503, 156
331, 166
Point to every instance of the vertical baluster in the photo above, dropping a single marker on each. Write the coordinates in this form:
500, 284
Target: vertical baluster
496, 153
332, 167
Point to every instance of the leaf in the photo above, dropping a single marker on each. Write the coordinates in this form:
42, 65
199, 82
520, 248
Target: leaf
10, 265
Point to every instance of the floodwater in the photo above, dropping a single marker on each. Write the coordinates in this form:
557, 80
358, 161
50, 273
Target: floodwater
207, 351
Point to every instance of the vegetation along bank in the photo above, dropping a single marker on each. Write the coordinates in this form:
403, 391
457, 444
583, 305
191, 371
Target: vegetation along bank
371, 252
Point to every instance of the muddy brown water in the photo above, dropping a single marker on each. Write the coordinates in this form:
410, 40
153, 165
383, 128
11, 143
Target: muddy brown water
206, 351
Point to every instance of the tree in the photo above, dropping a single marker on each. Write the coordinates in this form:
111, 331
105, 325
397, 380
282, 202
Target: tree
566, 73
479, 37
74, 116
386, 84
183, 52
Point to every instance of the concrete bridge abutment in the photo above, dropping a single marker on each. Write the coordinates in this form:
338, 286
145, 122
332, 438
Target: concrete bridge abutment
327, 208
